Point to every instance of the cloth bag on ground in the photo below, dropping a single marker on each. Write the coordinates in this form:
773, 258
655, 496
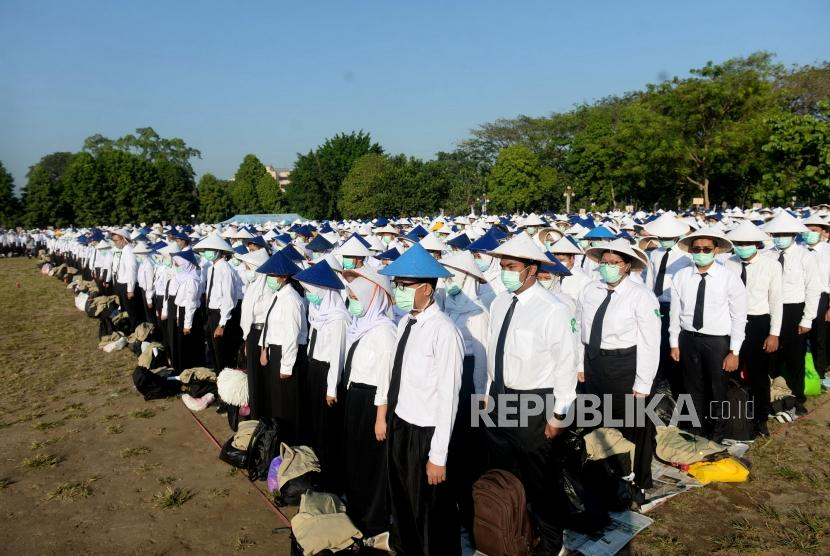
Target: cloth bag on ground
812, 380
322, 524
299, 471
726, 470
681, 447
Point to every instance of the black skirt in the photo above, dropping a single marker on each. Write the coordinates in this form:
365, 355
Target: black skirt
191, 347
326, 424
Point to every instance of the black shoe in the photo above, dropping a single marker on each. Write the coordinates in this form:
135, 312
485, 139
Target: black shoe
761, 430
222, 408
800, 410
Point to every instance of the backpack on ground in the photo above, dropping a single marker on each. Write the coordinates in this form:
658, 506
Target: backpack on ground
264, 447
152, 386
298, 473
501, 524
739, 424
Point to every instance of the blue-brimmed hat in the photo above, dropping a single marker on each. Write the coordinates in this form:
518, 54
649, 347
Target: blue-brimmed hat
256, 240
483, 244
389, 255
285, 239
459, 242
416, 263
554, 267
326, 228
279, 265
600, 232
319, 244
417, 233
188, 255
291, 252
179, 235
497, 233
159, 245
240, 249
320, 275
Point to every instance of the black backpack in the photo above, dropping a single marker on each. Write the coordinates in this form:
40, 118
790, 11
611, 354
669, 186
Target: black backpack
263, 448
152, 386
739, 425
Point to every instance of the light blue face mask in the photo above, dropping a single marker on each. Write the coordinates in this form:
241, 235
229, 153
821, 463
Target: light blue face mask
139, 259
348, 263
782, 242
703, 259
667, 243
584, 243
482, 265
168, 262
405, 297
811, 237
236, 262
356, 308
453, 288
745, 251
386, 239
313, 298
209, 255
610, 273
531, 230
273, 283
511, 279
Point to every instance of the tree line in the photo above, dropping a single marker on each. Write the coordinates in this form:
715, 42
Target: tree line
746, 130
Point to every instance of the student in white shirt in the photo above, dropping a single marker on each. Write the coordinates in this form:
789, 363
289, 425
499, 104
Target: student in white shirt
801, 287
762, 277
708, 323
274, 387
222, 296
423, 401
370, 342
145, 275
255, 305
190, 336
566, 252
125, 277
815, 242
531, 351
321, 393
620, 330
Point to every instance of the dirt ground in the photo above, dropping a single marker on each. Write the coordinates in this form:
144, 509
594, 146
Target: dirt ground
87, 464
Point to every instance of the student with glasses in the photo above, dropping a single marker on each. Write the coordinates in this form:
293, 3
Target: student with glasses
707, 326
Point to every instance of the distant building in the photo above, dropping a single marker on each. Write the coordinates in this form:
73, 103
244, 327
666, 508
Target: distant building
282, 175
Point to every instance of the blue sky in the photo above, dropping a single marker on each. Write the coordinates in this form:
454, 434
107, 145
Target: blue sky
276, 78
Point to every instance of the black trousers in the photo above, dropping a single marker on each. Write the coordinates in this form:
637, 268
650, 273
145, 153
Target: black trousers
669, 369
818, 336
615, 375
792, 347
468, 448
424, 517
366, 476
758, 364
224, 349
326, 425
704, 379
134, 306
259, 397
191, 347
535, 461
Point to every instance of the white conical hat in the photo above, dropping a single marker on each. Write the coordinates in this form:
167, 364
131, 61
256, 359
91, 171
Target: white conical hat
141, 248
214, 242
375, 243
531, 219
723, 245
747, 231
121, 232
371, 274
465, 262
170, 249
520, 246
432, 243
565, 246
621, 246
352, 247
784, 223
254, 258
816, 220
667, 226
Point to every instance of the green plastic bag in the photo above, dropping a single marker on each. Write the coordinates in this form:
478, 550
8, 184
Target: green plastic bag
812, 382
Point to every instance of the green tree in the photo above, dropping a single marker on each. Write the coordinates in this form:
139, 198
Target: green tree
215, 203
9, 204
269, 195
518, 182
369, 187
318, 175
42, 198
178, 196
86, 190
244, 187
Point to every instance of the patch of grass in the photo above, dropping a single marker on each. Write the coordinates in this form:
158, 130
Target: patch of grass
788, 473
5, 482
145, 468
172, 497
111, 416
48, 425
167, 480
219, 493
71, 491
768, 511
115, 428
243, 542
143, 414
132, 452
41, 460
38, 444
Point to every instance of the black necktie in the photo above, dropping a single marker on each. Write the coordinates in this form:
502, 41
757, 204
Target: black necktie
265, 327
498, 378
595, 341
210, 288
743, 273
697, 320
347, 368
395, 381
661, 274
781, 258
312, 342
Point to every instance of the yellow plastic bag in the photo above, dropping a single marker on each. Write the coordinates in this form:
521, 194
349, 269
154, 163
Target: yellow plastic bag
726, 470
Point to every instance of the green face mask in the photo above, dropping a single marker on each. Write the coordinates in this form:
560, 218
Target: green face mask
667, 243
139, 259
168, 263
610, 273
356, 308
811, 238
584, 243
531, 230
745, 251
703, 259
405, 298
273, 283
386, 239
179, 269
548, 245
236, 262
511, 279
209, 255
348, 263
453, 289
313, 298
158, 259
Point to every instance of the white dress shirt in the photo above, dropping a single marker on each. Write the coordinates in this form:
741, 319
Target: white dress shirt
188, 296
330, 347
431, 377
631, 319
255, 304
285, 325
724, 306
574, 284
473, 327
677, 260
540, 350
821, 251
372, 360
801, 282
223, 290
763, 288
146, 272
127, 272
